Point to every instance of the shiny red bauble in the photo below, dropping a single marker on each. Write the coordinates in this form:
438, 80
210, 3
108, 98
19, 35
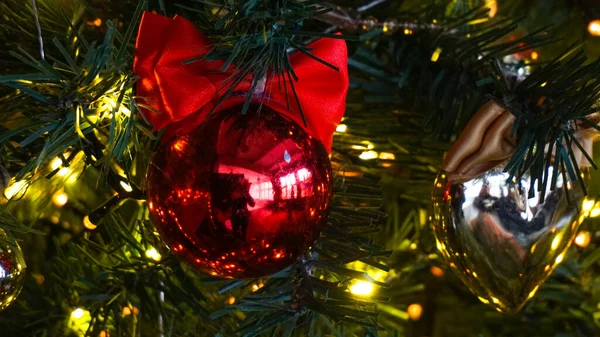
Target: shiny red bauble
240, 196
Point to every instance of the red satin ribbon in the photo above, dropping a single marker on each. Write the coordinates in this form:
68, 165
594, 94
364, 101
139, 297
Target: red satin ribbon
192, 90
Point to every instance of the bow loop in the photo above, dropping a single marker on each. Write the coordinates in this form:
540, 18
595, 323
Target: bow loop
174, 89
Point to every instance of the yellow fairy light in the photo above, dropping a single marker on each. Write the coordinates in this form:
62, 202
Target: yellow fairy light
560, 258
583, 239
87, 223
55, 164
18, 187
595, 212
535, 55
153, 254
361, 288
415, 311
104, 333
588, 204
594, 27
485, 301
60, 199
387, 156
77, 313
231, 300
406, 31
126, 311
368, 155
257, 286
341, 128
126, 186
436, 55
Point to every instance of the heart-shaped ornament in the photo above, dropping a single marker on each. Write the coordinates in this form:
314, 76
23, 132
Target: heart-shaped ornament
502, 244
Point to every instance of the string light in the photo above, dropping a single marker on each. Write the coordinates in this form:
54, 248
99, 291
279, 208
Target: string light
588, 204
583, 239
87, 223
387, 156
436, 271
341, 128
415, 311
56, 164
153, 254
436, 54
18, 187
594, 27
361, 288
60, 199
368, 155
535, 55
77, 313
231, 300
126, 186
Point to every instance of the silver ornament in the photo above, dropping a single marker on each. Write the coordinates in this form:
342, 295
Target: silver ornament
501, 243
12, 270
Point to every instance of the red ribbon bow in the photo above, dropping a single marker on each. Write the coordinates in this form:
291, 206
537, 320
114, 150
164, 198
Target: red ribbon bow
180, 90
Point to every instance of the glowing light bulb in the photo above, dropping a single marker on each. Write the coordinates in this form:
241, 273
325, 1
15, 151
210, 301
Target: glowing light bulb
535, 55
87, 223
436, 271
153, 254
17, 187
126, 311
361, 288
594, 27
56, 163
341, 128
415, 311
60, 199
368, 155
126, 186
436, 55
583, 239
77, 313
588, 204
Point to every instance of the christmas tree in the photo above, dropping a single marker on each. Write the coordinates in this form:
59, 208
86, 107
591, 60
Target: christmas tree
183, 168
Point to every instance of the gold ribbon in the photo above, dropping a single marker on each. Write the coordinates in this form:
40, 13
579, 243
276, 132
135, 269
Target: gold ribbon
486, 143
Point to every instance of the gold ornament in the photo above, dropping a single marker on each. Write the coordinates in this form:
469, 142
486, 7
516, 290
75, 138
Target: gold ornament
12, 270
501, 244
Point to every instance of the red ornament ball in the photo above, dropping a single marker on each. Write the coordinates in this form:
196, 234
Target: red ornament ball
240, 196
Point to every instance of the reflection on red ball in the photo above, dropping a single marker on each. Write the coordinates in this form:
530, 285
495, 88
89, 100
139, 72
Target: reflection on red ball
240, 196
